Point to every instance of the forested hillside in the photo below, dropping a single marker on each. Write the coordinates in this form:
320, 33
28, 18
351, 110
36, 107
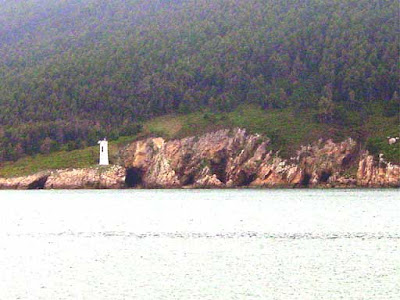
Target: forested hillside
72, 71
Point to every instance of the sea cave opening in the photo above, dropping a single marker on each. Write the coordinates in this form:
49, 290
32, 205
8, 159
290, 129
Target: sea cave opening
244, 179
219, 169
188, 180
133, 177
325, 176
38, 184
306, 180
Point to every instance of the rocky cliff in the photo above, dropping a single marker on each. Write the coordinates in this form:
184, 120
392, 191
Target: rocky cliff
99, 177
35, 181
225, 158
234, 159
372, 173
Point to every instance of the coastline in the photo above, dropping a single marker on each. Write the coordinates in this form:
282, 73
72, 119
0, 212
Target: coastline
225, 160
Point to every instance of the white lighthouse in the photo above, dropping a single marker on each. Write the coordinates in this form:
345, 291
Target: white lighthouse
103, 152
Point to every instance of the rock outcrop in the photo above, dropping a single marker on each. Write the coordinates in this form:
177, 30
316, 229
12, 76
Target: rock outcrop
35, 181
225, 158
234, 159
100, 178
217, 159
372, 173
112, 177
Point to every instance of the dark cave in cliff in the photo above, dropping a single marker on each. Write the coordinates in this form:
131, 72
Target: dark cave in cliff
244, 179
38, 184
133, 177
187, 180
306, 180
324, 176
219, 169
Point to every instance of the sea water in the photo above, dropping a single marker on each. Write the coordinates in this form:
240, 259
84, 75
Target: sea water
200, 244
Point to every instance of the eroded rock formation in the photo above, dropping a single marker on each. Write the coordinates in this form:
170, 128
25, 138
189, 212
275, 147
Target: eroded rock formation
217, 159
100, 178
372, 173
234, 158
35, 181
225, 158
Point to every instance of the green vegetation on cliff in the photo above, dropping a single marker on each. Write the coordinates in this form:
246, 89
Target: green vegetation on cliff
287, 129
74, 71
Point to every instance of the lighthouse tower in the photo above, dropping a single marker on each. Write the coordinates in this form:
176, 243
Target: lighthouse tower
103, 152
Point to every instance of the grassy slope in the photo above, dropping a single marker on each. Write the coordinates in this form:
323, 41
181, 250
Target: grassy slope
286, 129
81, 158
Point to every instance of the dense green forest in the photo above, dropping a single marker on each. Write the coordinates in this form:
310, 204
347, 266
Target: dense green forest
73, 71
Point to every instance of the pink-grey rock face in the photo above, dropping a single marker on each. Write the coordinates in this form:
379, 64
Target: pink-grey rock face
225, 158
325, 162
112, 177
101, 177
35, 181
379, 173
217, 159
234, 158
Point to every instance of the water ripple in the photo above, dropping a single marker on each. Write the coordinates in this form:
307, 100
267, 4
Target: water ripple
221, 235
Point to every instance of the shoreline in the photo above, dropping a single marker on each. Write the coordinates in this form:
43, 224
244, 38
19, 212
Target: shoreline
225, 159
